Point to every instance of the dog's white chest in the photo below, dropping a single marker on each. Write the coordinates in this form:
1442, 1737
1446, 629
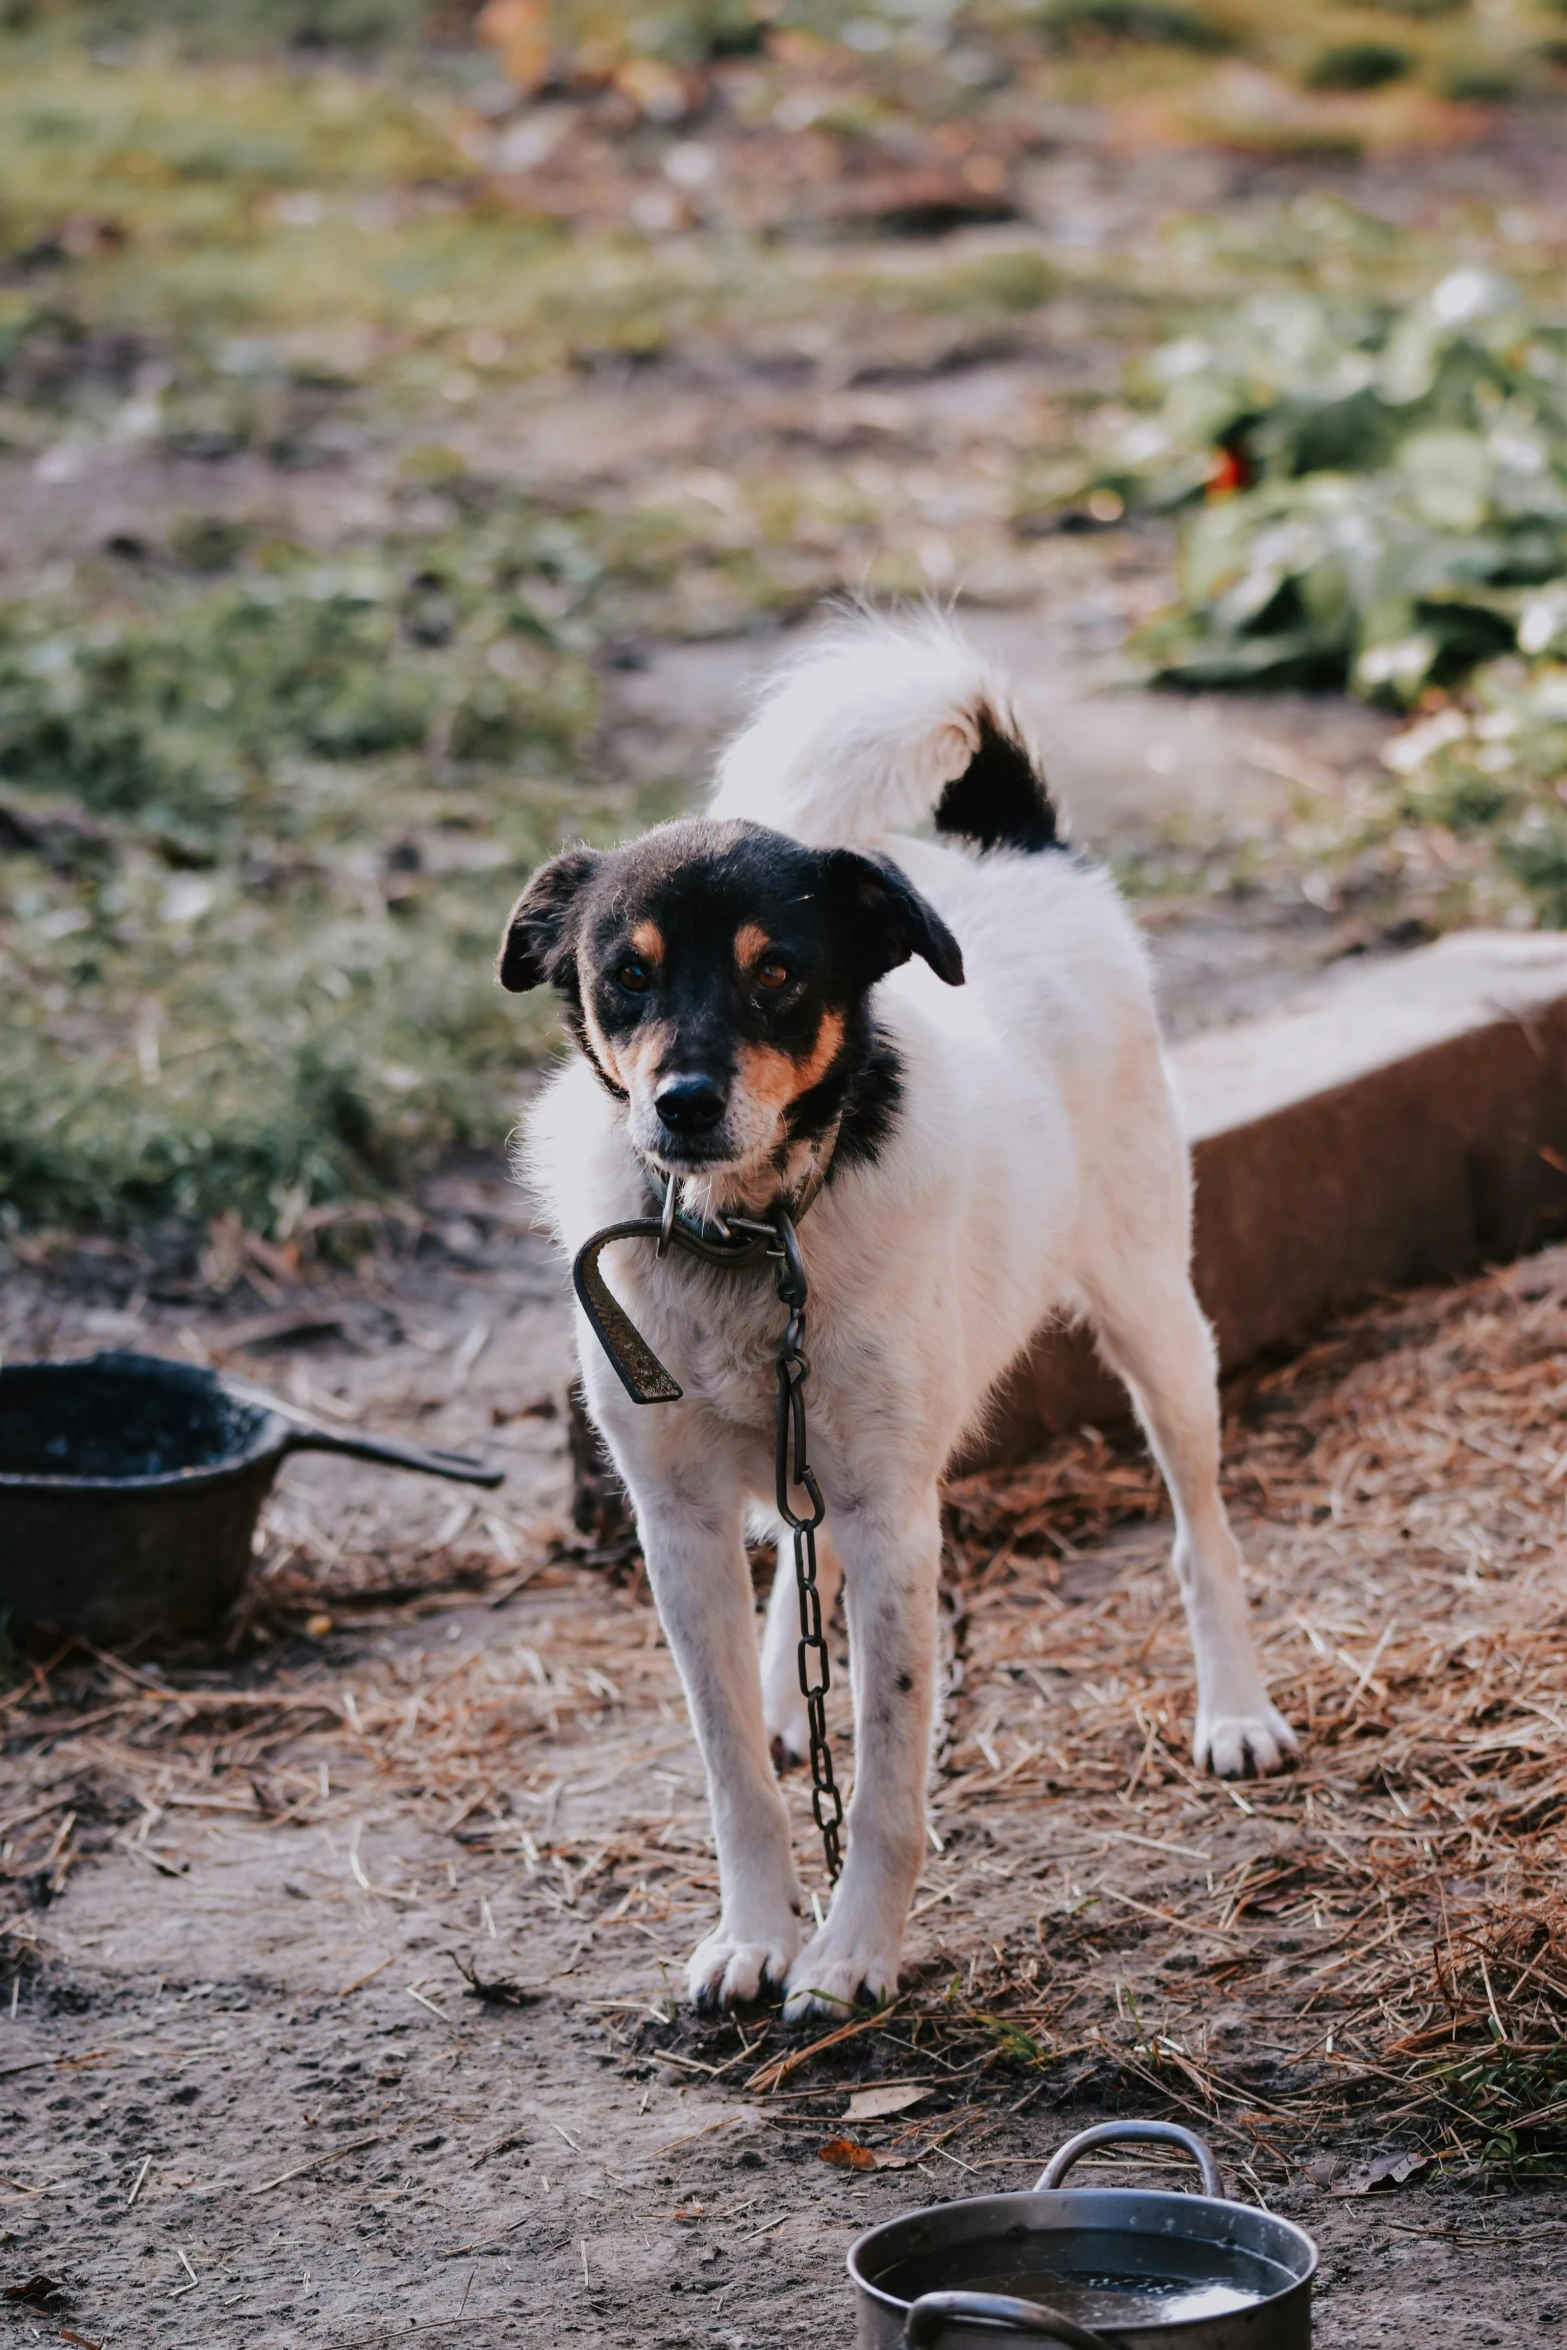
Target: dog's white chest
718, 1333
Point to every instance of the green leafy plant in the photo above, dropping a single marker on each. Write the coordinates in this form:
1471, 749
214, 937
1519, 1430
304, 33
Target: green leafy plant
1376, 498
1508, 2106
1381, 495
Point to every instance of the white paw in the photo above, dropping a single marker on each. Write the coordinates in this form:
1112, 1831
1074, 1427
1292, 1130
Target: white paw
728, 1969
835, 1973
1244, 1745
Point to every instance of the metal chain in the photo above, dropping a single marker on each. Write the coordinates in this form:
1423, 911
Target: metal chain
736, 1242
794, 1475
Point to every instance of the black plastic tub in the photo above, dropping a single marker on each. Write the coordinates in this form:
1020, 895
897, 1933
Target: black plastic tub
130, 1488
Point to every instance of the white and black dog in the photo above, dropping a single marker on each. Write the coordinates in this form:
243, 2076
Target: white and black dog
966, 1026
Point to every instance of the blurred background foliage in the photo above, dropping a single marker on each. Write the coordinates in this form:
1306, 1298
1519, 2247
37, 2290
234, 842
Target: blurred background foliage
274, 758
263, 830
1382, 490
1449, 45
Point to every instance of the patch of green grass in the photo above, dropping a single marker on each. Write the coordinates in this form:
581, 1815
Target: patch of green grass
262, 834
1485, 774
1139, 23
1359, 65
1473, 82
305, 260
249, 25
989, 286
1508, 2106
684, 32
1344, 50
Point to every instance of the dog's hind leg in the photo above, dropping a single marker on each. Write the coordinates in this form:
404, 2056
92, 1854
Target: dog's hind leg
891, 1557
783, 1704
1152, 1332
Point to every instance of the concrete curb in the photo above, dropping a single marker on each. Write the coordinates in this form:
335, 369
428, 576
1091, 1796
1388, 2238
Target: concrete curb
1409, 1127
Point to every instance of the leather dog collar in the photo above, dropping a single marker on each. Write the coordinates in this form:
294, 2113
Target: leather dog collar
734, 1241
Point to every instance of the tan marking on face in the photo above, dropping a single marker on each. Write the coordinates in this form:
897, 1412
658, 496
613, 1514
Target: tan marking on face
778, 1078
648, 940
599, 1045
641, 1054
635, 1060
751, 944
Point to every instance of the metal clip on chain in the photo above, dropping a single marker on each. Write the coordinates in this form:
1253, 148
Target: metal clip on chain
794, 1474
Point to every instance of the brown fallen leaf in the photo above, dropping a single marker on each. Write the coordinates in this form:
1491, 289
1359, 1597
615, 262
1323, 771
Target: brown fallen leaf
39, 2291
846, 2154
1386, 2170
80, 2340
873, 2105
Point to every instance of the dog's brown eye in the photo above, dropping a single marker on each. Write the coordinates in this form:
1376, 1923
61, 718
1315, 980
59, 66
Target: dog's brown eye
633, 975
772, 974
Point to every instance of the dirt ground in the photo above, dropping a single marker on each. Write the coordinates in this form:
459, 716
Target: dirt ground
247, 2096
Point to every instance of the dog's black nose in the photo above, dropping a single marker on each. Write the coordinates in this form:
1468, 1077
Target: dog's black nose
690, 1105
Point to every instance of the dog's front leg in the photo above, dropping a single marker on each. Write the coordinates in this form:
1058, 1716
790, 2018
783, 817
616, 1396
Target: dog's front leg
691, 1532
891, 1559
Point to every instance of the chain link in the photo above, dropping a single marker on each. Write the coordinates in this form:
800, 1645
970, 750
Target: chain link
794, 1476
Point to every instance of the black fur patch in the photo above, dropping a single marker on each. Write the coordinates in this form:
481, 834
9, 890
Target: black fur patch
872, 1099
1000, 801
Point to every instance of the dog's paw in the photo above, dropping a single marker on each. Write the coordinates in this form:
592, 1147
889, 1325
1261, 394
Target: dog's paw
834, 1974
727, 1970
1245, 1745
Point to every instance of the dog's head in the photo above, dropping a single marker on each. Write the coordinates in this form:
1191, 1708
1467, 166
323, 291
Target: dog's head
717, 977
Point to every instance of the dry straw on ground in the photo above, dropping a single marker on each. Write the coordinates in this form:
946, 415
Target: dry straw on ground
1377, 1940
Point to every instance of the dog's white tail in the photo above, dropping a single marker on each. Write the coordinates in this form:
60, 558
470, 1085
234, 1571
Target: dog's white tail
878, 725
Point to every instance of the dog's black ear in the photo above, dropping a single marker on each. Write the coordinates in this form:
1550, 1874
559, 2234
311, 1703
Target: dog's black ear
541, 928
891, 920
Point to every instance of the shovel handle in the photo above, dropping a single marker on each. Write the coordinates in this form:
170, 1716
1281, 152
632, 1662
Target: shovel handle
933, 2313
464, 1467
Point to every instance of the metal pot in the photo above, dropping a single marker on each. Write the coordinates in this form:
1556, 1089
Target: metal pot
1095, 2268
130, 1489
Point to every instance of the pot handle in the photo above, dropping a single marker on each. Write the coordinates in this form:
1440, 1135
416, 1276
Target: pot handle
463, 1466
1134, 2134
933, 2313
